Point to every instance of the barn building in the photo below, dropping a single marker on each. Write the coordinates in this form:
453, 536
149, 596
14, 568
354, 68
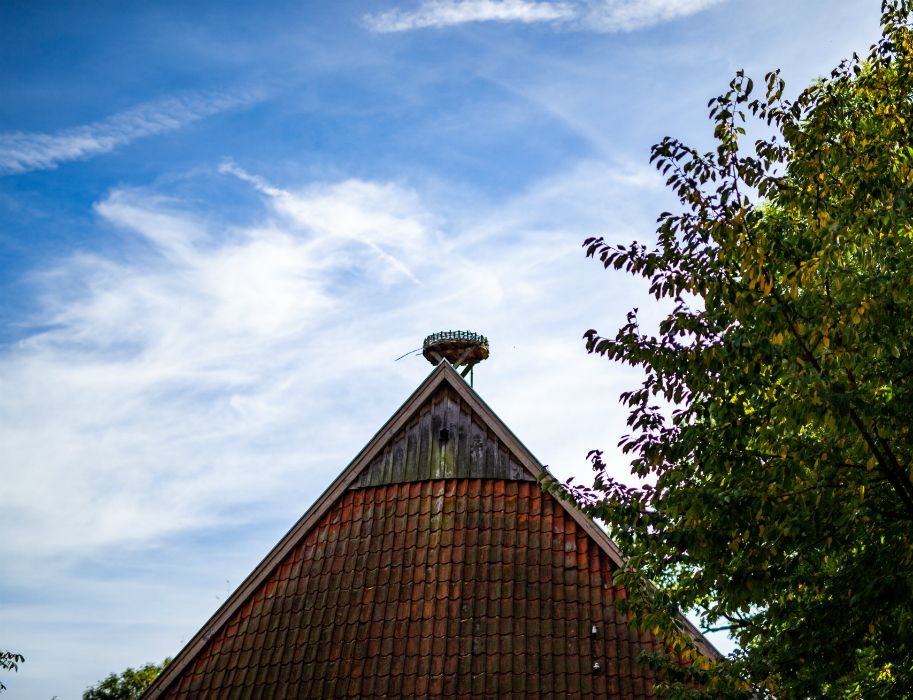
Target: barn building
434, 566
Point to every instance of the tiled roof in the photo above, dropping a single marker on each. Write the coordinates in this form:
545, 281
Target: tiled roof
433, 567
445, 587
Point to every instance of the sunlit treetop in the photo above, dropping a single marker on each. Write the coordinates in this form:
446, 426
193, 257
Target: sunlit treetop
775, 494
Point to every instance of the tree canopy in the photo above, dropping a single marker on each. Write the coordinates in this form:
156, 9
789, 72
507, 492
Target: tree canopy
128, 685
771, 436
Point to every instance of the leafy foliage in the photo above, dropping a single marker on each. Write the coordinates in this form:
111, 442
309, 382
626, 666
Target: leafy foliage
777, 496
9, 661
129, 685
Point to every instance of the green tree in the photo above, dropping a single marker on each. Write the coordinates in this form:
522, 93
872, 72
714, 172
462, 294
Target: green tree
775, 496
129, 685
9, 661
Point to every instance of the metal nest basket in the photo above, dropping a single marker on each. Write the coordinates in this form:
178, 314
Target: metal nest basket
460, 348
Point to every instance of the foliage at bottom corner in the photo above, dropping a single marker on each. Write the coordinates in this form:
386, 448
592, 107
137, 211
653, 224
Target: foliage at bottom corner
771, 437
9, 661
128, 685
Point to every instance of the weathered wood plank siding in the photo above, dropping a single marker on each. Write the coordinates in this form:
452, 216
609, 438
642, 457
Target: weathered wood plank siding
443, 442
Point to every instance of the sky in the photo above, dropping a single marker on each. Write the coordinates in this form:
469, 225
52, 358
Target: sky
222, 222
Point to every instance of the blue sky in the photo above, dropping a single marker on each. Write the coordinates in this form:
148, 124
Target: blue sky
220, 224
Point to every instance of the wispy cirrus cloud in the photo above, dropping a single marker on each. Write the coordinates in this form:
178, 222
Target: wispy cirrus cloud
22, 151
628, 15
178, 365
587, 15
448, 13
219, 366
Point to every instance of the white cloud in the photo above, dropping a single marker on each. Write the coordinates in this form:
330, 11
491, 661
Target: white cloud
628, 15
448, 13
167, 368
587, 15
383, 218
21, 151
215, 369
